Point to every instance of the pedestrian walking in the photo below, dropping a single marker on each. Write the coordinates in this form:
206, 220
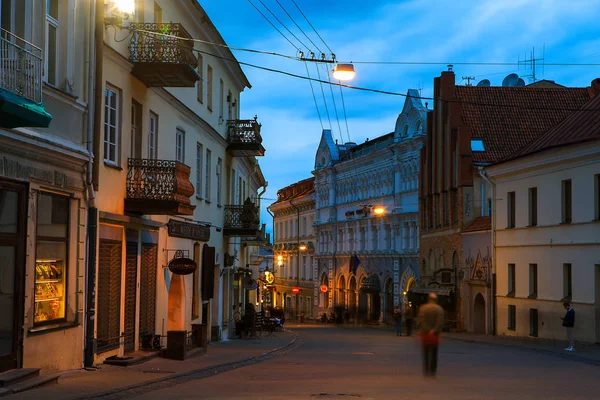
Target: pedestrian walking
409, 315
569, 323
398, 320
431, 319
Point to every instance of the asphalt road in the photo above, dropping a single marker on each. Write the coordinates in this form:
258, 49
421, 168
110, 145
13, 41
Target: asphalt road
356, 363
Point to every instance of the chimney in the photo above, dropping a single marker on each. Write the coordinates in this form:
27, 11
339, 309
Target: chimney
594, 88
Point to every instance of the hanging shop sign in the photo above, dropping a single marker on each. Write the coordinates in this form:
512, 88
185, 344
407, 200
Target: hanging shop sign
323, 288
182, 266
189, 231
269, 277
295, 290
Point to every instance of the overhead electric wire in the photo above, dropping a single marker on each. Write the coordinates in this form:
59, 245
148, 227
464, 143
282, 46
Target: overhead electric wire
282, 24
298, 26
314, 97
323, 92
345, 117
334, 105
311, 25
273, 25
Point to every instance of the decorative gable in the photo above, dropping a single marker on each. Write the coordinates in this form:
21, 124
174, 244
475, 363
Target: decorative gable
327, 153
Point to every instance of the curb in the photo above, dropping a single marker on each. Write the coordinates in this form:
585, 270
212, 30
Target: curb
565, 356
192, 372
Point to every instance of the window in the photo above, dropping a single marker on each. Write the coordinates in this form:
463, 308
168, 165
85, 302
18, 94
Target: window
510, 210
533, 281
221, 99
199, 151
303, 226
533, 322
51, 258
232, 180
477, 145
566, 202
52, 45
489, 206
200, 94
511, 280
219, 171
533, 206
446, 277
229, 104
153, 137
209, 92
157, 14
180, 146
512, 318
597, 195
207, 173
111, 122
567, 283
238, 190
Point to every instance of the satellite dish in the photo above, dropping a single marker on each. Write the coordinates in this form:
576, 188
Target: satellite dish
510, 80
520, 82
249, 283
485, 82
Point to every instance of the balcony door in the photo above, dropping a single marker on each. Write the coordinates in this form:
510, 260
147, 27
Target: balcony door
12, 253
136, 130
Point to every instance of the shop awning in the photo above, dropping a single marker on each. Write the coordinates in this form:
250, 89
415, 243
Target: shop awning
16, 111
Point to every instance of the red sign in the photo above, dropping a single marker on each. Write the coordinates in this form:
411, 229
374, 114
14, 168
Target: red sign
182, 266
323, 288
295, 290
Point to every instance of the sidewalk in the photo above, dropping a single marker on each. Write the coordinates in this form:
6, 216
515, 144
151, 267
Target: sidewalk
82, 383
584, 352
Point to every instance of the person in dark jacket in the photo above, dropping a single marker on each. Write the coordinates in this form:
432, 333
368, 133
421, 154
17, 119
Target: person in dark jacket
569, 323
398, 320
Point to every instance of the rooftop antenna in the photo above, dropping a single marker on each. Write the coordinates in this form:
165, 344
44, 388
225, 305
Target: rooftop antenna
469, 79
531, 62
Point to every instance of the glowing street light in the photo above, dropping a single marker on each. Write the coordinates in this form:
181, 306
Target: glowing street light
379, 210
302, 247
344, 72
125, 6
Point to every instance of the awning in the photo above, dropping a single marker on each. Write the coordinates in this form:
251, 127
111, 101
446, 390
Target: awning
16, 111
438, 291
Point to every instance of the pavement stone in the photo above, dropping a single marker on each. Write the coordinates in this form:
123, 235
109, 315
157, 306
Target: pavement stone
81, 383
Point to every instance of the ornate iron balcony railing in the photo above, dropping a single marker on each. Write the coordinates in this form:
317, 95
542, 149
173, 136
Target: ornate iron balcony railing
245, 131
20, 67
160, 43
242, 220
155, 181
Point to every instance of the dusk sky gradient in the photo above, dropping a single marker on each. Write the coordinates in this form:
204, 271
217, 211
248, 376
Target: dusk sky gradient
425, 30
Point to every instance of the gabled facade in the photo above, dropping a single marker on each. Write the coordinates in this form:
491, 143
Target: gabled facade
366, 218
45, 125
469, 128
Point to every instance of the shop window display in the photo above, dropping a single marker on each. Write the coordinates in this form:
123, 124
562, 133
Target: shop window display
51, 258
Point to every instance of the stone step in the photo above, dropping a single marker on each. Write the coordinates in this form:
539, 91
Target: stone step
131, 360
14, 376
34, 382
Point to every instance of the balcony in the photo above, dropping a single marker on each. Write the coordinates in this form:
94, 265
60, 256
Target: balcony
158, 187
262, 239
243, 138
242, 220
160, 58
21, 83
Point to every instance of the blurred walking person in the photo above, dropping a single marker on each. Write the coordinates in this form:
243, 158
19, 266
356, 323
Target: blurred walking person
398, 320
431, 319
409, 315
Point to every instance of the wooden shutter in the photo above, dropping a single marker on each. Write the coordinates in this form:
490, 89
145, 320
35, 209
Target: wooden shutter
208, 272
109, 294
148, 288
130, 294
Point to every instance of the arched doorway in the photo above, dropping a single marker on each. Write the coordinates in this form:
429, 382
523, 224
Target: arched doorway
389, 301
363, 303
341, 292
479, 314
352, 300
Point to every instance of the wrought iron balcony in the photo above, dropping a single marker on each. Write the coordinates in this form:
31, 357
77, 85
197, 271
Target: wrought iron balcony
158, 187
243, 138
160, 58
21, 83
262, 239
242, 220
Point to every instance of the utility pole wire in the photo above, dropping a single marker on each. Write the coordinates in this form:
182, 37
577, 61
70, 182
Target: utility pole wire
313, 28
298, 26
267, 19
282, 24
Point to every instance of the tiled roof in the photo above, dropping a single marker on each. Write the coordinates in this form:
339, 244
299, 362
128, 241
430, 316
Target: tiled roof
520, 116
580, 126
296, 190
479, 224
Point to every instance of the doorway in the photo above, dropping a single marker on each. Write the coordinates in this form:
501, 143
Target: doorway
13, 206
597, 301
479, 315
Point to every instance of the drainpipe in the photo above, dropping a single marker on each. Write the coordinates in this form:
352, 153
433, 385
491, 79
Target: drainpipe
94, 103
484, 176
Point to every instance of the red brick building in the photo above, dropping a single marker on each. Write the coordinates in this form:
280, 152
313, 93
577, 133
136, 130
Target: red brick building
469, 128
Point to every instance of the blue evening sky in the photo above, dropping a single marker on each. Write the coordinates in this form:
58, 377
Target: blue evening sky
385, 30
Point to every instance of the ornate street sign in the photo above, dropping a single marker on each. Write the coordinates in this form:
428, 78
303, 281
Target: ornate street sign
182, 266
295, 290
189, 231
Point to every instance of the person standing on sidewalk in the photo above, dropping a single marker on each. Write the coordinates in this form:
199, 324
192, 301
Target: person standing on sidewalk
431, 319
569, 323
398, 320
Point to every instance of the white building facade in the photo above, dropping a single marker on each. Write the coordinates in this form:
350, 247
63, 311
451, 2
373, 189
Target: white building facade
367, 218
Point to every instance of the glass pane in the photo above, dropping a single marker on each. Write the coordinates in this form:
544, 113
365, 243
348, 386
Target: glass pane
113, 136
51, 56
113, 118
52, 8
9, 203
7, 301
50, 279
113, 100
53, 215
112, 154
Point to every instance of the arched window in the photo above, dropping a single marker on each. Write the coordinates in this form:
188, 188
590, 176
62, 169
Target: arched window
419, 127
405, 133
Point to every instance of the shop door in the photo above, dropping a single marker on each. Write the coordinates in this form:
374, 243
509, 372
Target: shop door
12, 240
109, 295
130, 295
148, 289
